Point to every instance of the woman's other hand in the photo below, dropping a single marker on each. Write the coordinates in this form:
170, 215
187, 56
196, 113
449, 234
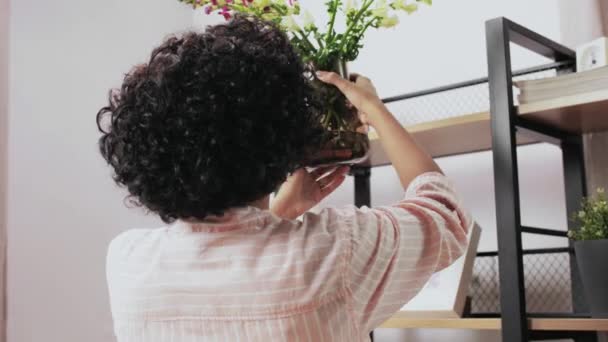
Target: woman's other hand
303, 190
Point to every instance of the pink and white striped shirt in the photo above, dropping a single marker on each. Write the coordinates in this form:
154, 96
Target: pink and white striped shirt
331, 276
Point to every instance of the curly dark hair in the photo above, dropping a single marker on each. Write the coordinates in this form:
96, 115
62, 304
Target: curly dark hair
214, 120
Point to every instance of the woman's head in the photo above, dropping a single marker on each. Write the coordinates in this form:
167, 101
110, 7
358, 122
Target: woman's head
214, 120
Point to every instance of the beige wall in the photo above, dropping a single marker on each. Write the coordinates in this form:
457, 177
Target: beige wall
574, 30
595, 25
596, 158
4, 16
604, 11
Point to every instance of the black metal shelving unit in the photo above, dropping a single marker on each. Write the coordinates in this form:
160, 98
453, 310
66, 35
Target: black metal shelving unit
505, 124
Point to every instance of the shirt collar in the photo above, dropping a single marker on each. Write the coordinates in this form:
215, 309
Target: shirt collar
232, 219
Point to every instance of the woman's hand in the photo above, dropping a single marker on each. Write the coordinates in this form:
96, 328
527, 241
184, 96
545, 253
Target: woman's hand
360, 92
303, 190
402, 150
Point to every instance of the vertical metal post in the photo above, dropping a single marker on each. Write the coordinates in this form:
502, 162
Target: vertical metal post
575, 184
363, 196
362, 186
506, 182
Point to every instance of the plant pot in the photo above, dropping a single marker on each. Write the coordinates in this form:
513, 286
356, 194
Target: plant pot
591, 256
345, 140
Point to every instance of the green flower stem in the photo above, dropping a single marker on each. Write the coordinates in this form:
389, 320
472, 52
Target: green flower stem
332, 21
320, 42
355, 21
305, 39
362, 33
315, 31
281, 10
304, 49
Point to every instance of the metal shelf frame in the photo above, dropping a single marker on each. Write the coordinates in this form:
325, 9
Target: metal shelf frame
505, 123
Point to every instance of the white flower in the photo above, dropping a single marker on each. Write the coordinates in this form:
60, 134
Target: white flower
290, 24
294, 9
381, 10
399, 4
308, 21
405, 6
390, 21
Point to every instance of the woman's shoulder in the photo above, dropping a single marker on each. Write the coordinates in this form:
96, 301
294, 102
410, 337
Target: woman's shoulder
336, 216
134, 242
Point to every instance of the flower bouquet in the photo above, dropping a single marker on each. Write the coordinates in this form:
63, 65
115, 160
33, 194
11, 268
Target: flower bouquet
325, 49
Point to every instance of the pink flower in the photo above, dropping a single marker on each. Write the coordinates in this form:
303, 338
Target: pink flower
208, 9
226, 13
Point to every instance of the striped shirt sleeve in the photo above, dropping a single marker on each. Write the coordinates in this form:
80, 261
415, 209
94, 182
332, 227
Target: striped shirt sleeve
394, 250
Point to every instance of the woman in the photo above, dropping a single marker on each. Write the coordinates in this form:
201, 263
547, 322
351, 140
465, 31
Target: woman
201, 135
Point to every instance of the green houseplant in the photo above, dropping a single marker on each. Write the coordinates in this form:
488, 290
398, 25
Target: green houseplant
322, 47
591, 248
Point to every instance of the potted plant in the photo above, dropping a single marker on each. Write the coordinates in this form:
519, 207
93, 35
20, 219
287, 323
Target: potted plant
591, 248
325, 49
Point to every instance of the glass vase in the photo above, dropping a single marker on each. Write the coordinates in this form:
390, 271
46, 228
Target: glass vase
345, 139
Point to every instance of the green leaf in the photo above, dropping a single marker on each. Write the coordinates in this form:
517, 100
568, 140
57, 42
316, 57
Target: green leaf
428, 2
592, 218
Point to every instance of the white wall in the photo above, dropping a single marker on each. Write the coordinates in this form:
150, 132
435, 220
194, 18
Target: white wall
4, 10
64, 209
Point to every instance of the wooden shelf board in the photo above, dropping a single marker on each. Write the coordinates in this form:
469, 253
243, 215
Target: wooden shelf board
581, 113
446, 137
442, 323
540, 324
